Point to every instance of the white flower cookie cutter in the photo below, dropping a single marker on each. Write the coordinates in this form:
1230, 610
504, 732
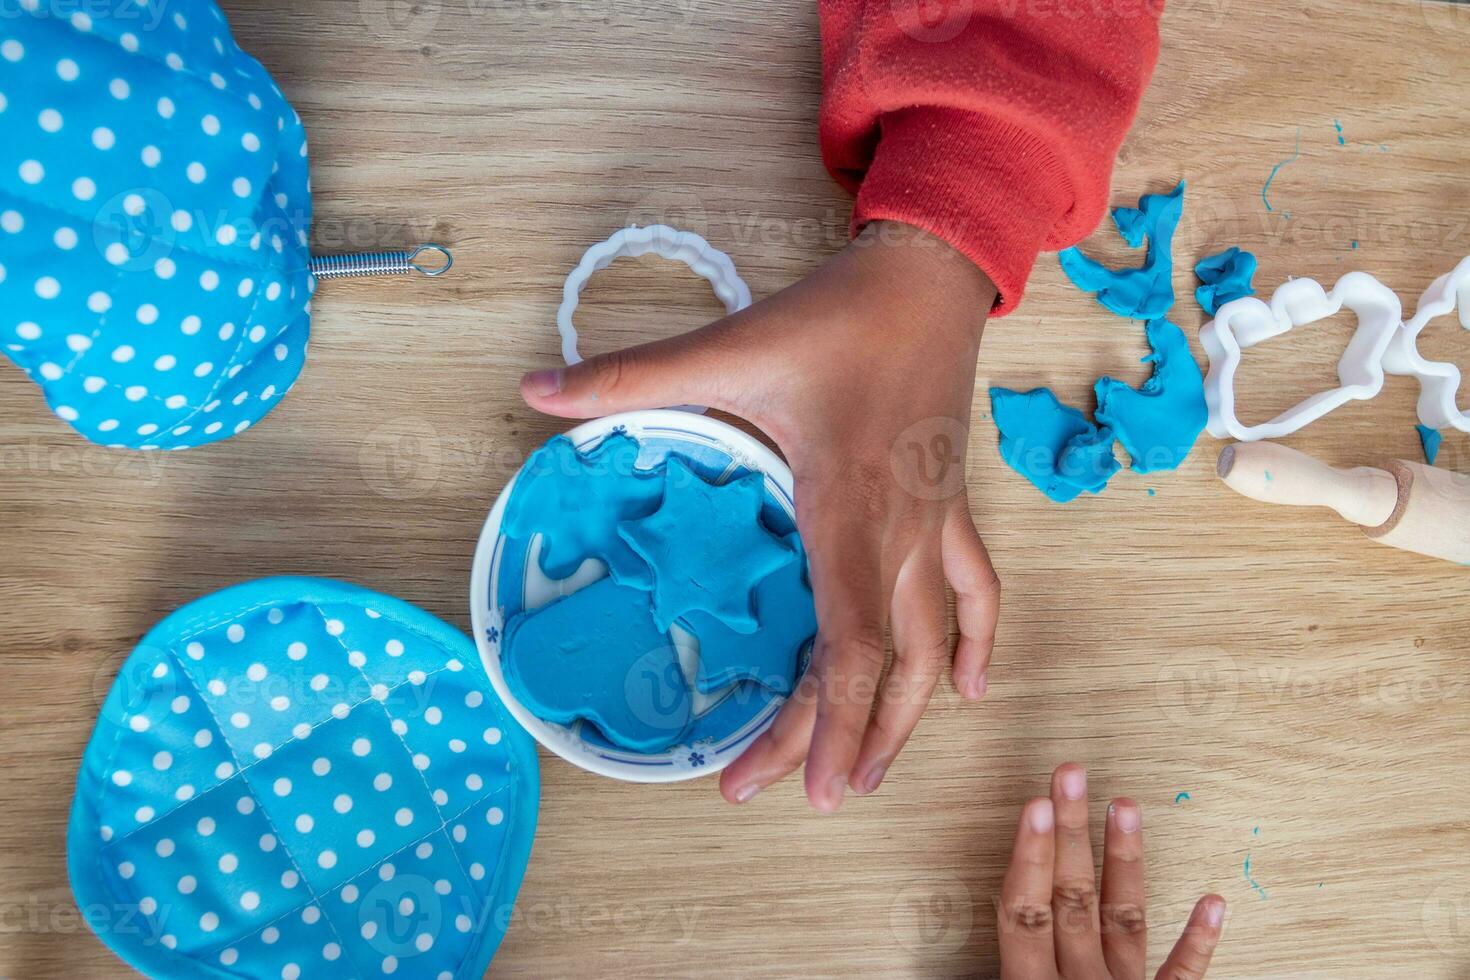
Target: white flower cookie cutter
702, 258
1439, 382
1245, 322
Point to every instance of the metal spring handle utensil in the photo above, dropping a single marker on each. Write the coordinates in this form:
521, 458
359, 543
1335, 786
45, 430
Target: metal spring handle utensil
382, 263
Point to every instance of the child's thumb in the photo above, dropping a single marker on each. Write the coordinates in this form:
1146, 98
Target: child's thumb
682, 370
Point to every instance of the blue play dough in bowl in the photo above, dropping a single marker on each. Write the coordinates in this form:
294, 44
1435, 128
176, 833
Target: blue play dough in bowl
508, 579
297, 777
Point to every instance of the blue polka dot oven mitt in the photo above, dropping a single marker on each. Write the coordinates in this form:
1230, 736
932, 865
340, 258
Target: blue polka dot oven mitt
154, 207
300, 778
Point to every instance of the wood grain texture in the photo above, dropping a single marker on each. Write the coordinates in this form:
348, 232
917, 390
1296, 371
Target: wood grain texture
1286, 672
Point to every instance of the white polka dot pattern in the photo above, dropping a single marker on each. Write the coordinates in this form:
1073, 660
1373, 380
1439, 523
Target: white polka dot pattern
154, 209
271, 804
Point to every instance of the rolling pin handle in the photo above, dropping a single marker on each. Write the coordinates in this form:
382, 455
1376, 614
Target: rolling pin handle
1276, 474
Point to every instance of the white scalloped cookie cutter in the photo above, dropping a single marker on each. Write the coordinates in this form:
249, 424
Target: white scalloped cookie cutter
1245, 322
702, 258
1439, 381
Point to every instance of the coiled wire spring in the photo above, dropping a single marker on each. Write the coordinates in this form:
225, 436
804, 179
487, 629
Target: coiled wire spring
383, 263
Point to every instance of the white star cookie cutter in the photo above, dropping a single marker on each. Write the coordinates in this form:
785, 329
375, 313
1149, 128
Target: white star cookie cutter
1245, 322
699, 255
1439, 381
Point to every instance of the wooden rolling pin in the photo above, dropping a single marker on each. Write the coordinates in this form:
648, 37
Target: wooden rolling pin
1404, 505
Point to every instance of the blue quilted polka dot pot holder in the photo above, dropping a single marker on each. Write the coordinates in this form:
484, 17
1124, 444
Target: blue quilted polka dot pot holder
154, 207
298, 778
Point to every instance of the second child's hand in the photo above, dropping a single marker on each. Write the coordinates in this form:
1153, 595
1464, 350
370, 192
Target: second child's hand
1055, 920
863, 373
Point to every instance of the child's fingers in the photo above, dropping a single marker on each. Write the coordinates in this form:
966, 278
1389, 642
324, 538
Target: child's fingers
1191, 956
693, 368
778, 751
1026, 945
848, 660
1074, 880
920, 650
1124, 927
977, 598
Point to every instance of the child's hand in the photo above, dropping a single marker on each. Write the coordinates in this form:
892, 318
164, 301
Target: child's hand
1051, 923
863, 373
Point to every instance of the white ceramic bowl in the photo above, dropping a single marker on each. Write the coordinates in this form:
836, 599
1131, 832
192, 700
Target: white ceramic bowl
506, 579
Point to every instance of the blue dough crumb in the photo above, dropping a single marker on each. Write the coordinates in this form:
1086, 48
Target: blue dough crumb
788, 622
1225, 277
597, 655
1160, 422
1255, 885
1430, 439
1146, 292
1266, 187
726, 519
1051, 444
577, 500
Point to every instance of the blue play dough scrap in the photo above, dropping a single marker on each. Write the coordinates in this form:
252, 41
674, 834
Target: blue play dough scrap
1430, 439
1146, 292
1088, 461
1159, 422
283, 762
1224, 277
597, 655
1063, 454
576, 502
1052, 445
689, 543
1056, 447
788, 622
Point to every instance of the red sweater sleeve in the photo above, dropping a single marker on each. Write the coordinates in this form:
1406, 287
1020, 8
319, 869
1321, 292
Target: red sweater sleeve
990, 123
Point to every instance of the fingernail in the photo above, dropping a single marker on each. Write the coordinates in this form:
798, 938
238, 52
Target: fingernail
1039, 815
836, 789
1126, 818
543, 383
972, 688
1215, 913
1074, 784
982, 684
746, 793
874, 778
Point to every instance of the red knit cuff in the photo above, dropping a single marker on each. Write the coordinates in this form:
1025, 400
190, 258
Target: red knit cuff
993, 190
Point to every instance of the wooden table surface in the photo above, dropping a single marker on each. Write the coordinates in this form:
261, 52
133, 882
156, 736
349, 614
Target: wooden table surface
1307, 688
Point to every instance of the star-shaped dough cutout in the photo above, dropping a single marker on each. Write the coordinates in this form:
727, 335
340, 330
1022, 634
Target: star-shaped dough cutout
788, 621
707, 547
